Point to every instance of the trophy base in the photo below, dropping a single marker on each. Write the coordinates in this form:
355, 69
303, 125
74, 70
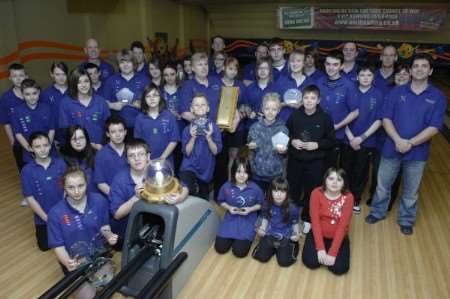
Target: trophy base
157, 195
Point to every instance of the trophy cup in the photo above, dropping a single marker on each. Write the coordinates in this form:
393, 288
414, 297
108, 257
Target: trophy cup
227, 107
160, 182
292, 96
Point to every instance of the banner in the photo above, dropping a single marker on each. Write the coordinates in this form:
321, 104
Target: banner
374, 18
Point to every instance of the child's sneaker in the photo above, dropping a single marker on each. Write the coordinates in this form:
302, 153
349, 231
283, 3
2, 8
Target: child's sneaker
23, 203
356, 210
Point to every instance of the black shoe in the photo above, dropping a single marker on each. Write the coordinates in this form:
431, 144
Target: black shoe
406, 230
372, 219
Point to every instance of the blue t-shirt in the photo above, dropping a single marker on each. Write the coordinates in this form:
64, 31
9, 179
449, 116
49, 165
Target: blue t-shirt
118, 89
157, 132
122, 189
238, 226
410, 114
212, 92
92, 117
201, 161
277, 73
26, 121
173, 104
316, 75
107, 164
352, 75
287, 87
144, 70
250, 72
74, 230
370, 104
383, 84
43, 184
8, 103
277, 227
337, 98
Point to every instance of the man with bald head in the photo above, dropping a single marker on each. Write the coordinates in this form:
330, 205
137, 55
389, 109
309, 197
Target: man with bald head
92, 52
349, 67
384, 76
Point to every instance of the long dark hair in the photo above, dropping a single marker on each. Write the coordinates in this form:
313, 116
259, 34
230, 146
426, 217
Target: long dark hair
147, 90
71, 156
278, 184
238, 162
74, 77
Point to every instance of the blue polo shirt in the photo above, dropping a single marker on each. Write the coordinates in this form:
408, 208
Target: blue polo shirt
8, 103
412, 113
43, 184
370, 104
26, 121
383, 84
337, 98
352, 75
92, 117
276, 73
74, 230
122, 189
144, 70
201, 161
157, 132
173, 104
53, 96
107, 164
253, 96
239, 227
250, 72
277, 227
286, 85
106, 68
100, 91
316, 75
117, 88
212, 92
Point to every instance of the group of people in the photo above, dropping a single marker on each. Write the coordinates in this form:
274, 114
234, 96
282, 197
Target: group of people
300, 146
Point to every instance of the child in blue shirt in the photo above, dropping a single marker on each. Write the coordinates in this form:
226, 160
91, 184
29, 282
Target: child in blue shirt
31, 116
84, 108
249, 76
279, 63
279, 229
267, 162
9, 100
111, 158
94, 73
78, 219
124, 90
156, 125
138, 50
128, 183
41, 183
241, 199
338, 100
155, 71
53, 94
361, 134
201, 142
312, 57
290, 86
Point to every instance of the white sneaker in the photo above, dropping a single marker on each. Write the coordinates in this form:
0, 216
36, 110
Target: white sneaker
24, 203
356, 210
306, 227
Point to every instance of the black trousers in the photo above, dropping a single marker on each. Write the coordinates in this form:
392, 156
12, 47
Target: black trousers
221, 169
240, 248
310, 259
356, 164
41, 237
375, 159
196, 186
18, 155
333, 157
303, 177
285, 250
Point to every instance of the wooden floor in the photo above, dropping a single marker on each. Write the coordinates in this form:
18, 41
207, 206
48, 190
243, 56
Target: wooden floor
384, 263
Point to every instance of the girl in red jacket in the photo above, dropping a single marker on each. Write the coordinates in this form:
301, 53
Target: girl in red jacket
331, 211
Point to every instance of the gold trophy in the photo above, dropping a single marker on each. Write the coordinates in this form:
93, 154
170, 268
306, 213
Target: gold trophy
160, 182
227, 107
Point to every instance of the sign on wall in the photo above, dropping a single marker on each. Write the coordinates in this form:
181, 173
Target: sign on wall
374, 18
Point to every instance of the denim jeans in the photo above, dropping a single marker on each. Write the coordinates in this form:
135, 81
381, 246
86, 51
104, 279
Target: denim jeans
412, 175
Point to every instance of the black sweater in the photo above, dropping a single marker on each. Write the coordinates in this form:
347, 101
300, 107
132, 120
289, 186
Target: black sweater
317, 127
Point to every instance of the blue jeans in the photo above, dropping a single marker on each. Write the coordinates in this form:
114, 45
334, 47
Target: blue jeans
412, 176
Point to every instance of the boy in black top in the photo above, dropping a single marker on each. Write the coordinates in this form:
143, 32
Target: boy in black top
311, 131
